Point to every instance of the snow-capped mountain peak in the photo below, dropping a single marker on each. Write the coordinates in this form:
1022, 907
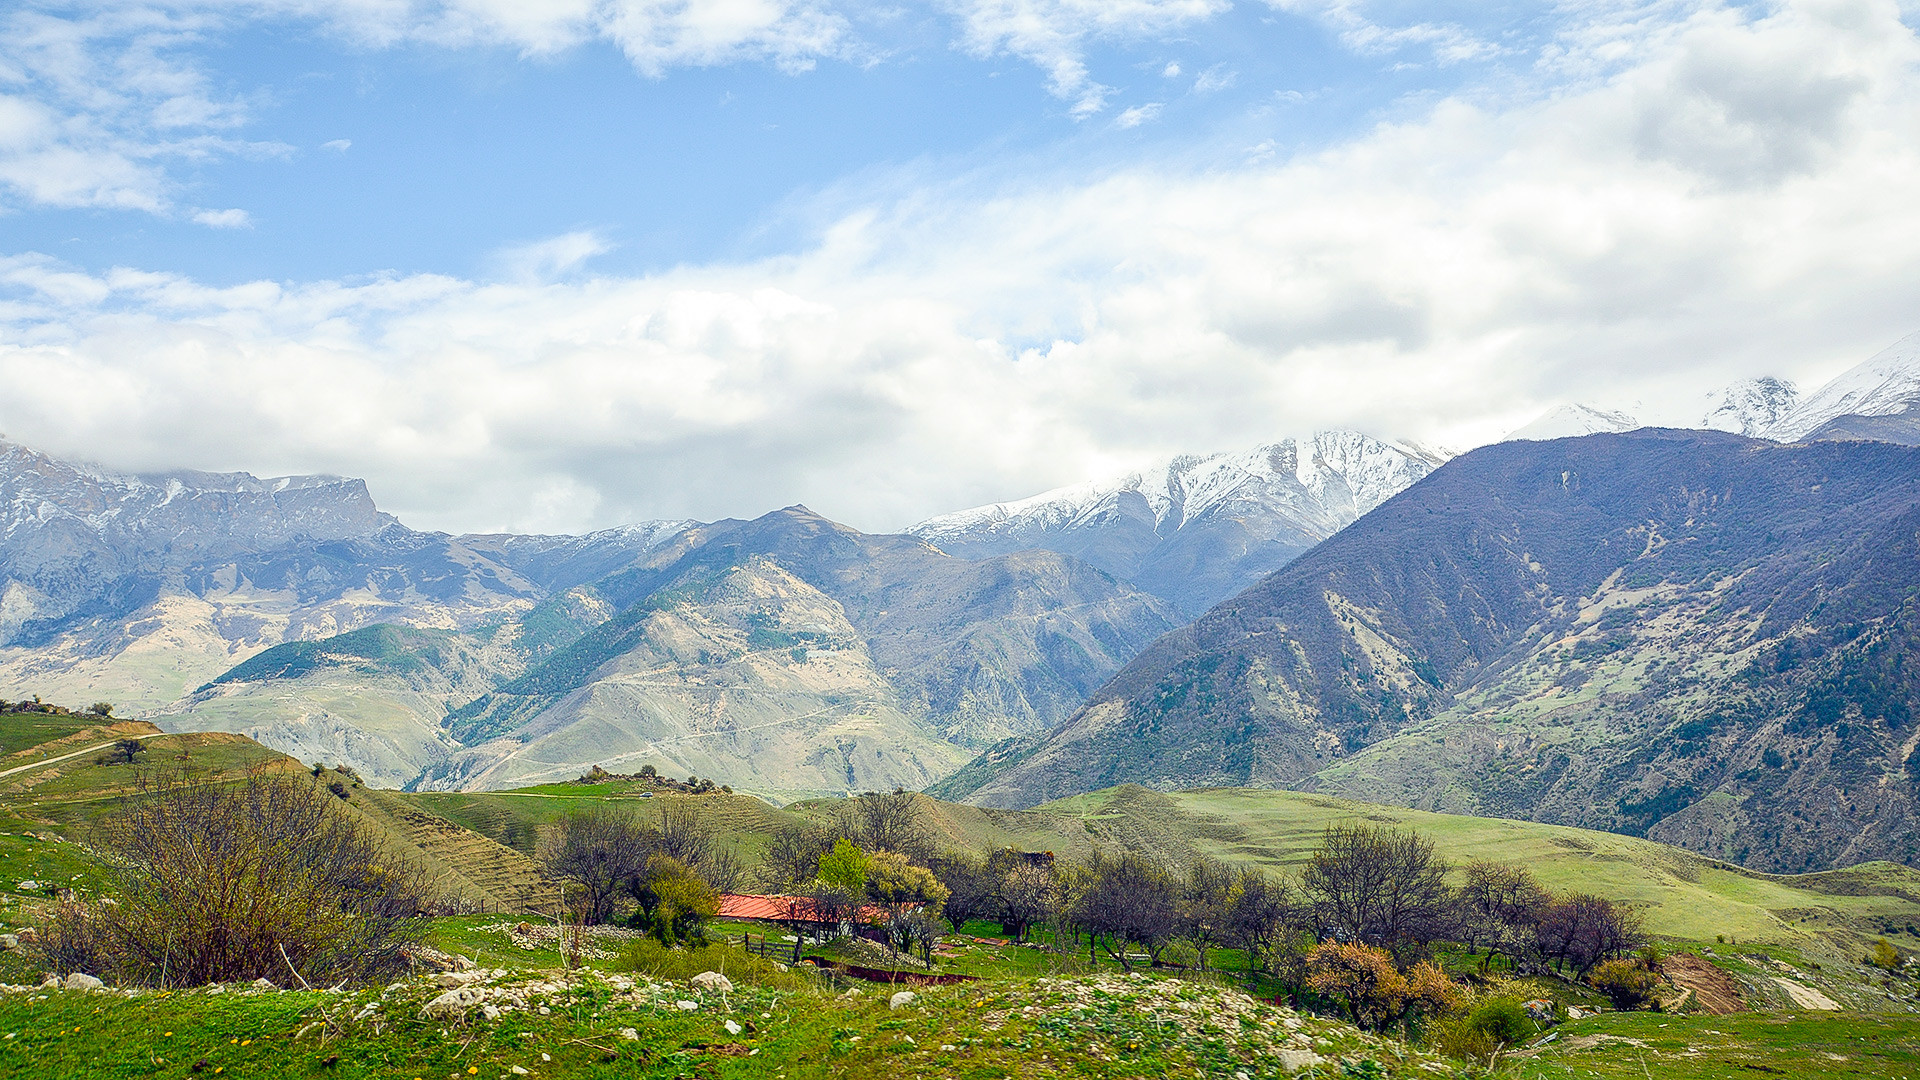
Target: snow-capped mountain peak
1275, 501
1886, 384
1572, 421
1750, 407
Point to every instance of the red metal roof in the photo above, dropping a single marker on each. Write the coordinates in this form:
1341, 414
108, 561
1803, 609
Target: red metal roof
783, 909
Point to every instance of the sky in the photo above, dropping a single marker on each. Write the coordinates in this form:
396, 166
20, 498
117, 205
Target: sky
557, 265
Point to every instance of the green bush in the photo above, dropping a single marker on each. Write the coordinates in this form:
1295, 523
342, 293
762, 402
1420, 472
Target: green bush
649, 957
1626, 983
1477, 1034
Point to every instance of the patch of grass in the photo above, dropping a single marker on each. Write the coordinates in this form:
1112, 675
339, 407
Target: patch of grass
1045, 1028
1756, 1045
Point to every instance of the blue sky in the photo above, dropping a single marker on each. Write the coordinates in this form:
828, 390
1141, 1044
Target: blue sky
559, 264
421, 157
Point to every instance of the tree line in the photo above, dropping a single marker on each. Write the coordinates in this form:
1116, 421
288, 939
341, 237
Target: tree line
1356, 927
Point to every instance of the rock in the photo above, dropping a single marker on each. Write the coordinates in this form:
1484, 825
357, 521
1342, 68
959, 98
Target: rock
732, 1028
453, 979
1575, 1012
28, 886
711, 980
1292, 1061
902, 999
686, 1006
488, 1010
1540, 1011
264, 984
10, 942
80, 980
28, 935
629, 1034
523, 928
453, 1004
517, 1070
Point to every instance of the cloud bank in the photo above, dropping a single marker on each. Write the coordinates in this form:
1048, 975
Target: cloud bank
1671, 205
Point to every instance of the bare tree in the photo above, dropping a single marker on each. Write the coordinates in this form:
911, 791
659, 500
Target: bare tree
267, 879
794, 855
1581, 930
1206, 899
602, 852
1499, 905
889, 821
1128, 902
1026, 891
1261, 914
1384, 886
683, 835
970, 891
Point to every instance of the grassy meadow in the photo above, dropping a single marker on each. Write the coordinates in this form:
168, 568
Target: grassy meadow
1031, 1013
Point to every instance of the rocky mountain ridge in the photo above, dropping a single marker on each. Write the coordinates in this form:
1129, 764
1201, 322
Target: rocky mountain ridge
1195, 529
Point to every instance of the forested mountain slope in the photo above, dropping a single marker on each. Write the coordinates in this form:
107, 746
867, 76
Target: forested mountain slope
1694, 636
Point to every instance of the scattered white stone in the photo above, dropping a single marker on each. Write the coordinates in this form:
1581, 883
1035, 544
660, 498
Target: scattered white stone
686, 1006
629, 1034
264, 984
10, 942
1293, 1061
490, 1012
453, 1004
902, 999
80, 980
711, 980
27, 886
451, 979
517, 1070
732, 1027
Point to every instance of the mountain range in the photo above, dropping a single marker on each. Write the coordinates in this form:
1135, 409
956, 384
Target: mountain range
1694, 636
1195, 529
1374, 619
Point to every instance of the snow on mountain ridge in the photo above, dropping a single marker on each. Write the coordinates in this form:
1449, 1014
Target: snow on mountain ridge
1183, 488
1572, 421
1750, 407
1885, 384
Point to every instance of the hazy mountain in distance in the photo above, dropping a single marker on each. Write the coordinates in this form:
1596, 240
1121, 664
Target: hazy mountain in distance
1570, 421
787, 655
1688, 635
1750, 407
1195, 529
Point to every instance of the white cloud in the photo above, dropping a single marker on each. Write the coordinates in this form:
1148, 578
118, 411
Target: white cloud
1446, 42
1445, 277
338, 146
1139, 114
1053, 35
1216, 78
224, 219
556, 256
1171, 71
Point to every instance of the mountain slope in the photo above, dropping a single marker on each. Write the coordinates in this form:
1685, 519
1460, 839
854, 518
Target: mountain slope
1569, 421
1697, 637
1885, 384
1196, 529
793, 655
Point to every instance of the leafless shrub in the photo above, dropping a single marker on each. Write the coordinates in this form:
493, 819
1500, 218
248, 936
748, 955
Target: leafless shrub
264, 879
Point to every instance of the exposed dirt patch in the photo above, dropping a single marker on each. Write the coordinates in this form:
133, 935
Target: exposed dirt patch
1714, 990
